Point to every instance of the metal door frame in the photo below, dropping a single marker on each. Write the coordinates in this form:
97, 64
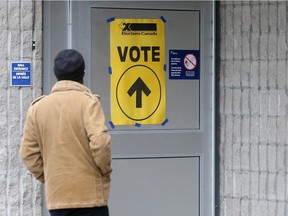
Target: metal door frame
60, 36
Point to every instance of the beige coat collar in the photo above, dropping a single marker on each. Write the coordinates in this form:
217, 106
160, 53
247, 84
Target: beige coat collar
65, 85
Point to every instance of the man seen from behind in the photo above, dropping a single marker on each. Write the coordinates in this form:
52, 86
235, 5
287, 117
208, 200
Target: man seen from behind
66, 145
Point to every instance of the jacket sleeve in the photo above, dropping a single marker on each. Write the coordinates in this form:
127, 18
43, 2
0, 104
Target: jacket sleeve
30, 151
99, 139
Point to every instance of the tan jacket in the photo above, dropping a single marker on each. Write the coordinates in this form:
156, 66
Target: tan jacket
66, 146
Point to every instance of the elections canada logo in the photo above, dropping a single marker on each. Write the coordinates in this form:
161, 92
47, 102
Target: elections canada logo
138, 28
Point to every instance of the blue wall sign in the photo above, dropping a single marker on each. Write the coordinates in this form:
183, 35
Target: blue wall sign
184, 64
20, 74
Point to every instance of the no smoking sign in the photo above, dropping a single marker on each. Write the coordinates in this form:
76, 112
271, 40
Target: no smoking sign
190, 61
184, 64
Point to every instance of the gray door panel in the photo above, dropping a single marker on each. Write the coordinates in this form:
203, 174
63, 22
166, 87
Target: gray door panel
158, 170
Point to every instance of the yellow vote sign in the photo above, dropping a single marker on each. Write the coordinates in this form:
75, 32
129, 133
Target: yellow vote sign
137, 50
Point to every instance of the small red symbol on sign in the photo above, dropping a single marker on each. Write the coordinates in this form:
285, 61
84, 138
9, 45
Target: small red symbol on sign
190, 61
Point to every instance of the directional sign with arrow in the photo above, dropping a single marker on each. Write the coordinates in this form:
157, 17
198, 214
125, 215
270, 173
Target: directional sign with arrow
137, 100
139, 86
137, 54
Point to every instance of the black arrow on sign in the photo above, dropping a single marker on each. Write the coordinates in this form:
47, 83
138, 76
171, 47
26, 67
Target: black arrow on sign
139, 86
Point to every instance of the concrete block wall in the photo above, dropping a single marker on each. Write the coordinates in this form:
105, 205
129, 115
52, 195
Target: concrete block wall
253, 108
20, 194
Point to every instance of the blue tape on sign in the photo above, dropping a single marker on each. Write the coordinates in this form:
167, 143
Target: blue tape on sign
137, 125
165, 122
165, 67
111, 19
163, 19
109, 70
111, 124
